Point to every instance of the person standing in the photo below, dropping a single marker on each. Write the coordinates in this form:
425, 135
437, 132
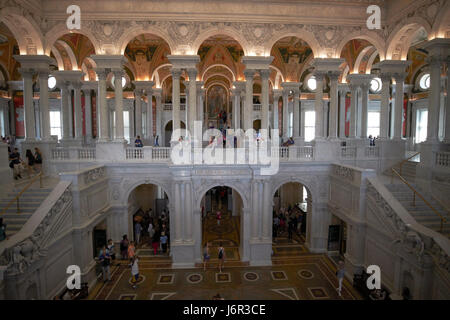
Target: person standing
111, 250
14, 163
340, 273
134, 270
131, 250
218, 217
155, 241
105, 261
221, 257
137, 232
30, 162
206, 256
163, 240
124, 247
138, 142
38, 158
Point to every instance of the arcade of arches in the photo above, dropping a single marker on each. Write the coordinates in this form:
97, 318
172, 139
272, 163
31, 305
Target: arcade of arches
361, 155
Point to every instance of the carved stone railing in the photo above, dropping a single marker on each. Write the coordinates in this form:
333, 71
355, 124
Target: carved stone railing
168, 106
372, 152
416, 239
73, 153
158, 154
293, 153
348, 152
51, 219
442, 159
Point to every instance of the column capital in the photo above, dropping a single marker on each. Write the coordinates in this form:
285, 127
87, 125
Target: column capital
438, 48
143, 85
176, 73
392, 66
277, 92
109, 61
101, 73
240, 85
294, 86
70, 76
157, 92
360, 79
400, 76
34, 62
249, 74
343, 88
334, 75
264, 73
89, 85
26, 72
192, 73
257, 62
385, 77
118, 73
183, 61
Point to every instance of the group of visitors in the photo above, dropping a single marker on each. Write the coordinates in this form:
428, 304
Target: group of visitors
372, 141
33, 163
288, 143
220, 256
156, 228
289, 220
139, 144
106, 258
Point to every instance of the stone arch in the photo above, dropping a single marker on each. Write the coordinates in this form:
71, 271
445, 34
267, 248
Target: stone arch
218, 31
400, 38
206, 187
308, 184
307, 36
360, 57
278, 76
221, 76
370, 36
25, 30
155, 74
131, 33
61, 29
218, 65
70, 54
142, 181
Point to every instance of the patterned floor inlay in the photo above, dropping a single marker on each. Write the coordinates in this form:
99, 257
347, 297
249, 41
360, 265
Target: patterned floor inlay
194, 278
307, 277
318, 293
139, 280
251, 276
305, 274
278, 275
166, 278
289, 293
223, 277
161, 295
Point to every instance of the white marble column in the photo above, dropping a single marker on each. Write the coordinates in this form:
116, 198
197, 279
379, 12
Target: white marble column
276, 97
333, 118
200, 99
188, 214
64, 110
43, 105
364, 110
398, 110
235, 100
192, 112
177, 237
318, 106
384, 109
353, 104
255, 211
296, 127
286, 113
88, 113
265, 98
30, 127
149, 93
118, 96
176, 73
447, 107
434, 99
78, 123
248, 110
138, 111
158, 92
342, 115
102, 107
267, 213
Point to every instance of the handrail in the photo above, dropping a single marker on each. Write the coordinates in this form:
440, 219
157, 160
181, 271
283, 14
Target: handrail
421, 197
21, 192
406, 160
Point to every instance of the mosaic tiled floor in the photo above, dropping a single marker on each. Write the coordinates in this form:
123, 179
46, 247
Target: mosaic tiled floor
311, 277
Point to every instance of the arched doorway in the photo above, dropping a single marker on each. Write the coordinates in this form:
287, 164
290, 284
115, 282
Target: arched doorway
291, 219
222, 222
149, 204
168, 132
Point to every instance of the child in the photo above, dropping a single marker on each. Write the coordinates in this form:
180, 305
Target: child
134, 271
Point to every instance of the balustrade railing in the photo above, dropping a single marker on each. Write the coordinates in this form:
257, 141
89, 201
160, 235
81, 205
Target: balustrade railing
86, 153
348, 152
443, 159
60, 154
168, 107
372, 152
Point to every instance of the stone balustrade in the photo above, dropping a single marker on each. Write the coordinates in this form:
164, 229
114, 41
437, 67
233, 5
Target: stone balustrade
442, 159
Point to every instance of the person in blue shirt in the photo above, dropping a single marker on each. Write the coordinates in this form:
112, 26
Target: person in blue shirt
163, 241
138, 142
105, 261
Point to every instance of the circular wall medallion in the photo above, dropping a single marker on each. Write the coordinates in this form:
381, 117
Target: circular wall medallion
183, 30
107, 29
251, 276
194, 278
139, 281
305, 274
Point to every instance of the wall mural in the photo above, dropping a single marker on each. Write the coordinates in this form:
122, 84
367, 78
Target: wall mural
217, 101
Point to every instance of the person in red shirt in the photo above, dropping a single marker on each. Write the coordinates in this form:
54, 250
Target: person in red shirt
218, 217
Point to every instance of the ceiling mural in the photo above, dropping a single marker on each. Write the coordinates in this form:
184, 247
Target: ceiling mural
8, 48
351, 51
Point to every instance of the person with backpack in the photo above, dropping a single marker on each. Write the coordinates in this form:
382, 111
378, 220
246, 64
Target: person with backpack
221, 256
124, 247
105, 261
30, 161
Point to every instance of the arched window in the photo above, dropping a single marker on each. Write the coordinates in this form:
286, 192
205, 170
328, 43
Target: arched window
375, 85
51, 82
312, 83
424, 82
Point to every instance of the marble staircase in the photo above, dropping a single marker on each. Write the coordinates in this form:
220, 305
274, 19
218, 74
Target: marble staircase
29, 201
